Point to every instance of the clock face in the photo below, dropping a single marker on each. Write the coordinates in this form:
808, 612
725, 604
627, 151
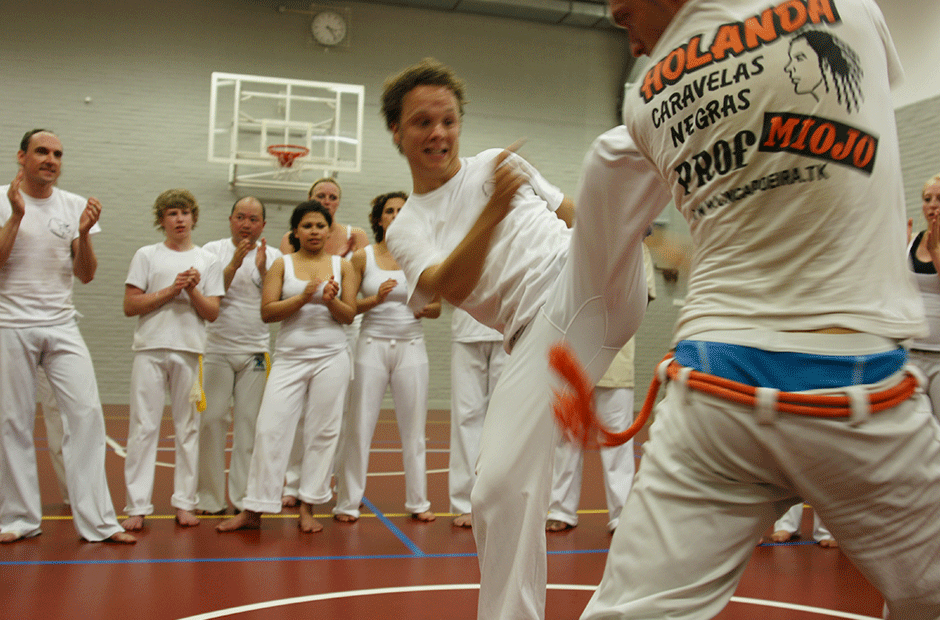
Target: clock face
329, 28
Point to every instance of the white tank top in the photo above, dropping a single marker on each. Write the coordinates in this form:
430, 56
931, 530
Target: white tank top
391, 318
311, 332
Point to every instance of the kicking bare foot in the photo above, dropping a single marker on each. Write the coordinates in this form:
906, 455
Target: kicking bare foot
186, 518
344, 518
289, 501
245, 520
464, 520
307, 523
425, 517
122, 538
828, 543
554, 525
781, 536
133, 523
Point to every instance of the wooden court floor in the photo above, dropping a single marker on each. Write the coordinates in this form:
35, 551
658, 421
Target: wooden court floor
383, 566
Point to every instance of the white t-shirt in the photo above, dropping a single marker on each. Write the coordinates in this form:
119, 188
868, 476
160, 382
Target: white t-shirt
788, 173
174, 325
465, 328
36, 281
239, 328
526, 254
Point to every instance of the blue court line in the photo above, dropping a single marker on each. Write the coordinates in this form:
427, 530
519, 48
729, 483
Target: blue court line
311, 558
394, 529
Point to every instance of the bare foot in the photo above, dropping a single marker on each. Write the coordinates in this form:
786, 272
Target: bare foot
554, 525
425, 517
464, 520
829, 543
344, 518
10, 537
781, 536
133, 523
186, 518
121, 537
289, 501
306, 523
245, 520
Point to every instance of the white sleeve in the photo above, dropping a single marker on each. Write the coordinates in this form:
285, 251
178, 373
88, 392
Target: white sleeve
409, 242
212, 281
138, 274
895, 69
542, 188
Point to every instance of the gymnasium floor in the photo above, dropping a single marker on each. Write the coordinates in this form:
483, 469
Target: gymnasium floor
383, 566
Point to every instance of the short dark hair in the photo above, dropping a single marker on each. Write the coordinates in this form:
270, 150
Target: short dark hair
428, 72
24, 143
309, 206
378, 205
264, 214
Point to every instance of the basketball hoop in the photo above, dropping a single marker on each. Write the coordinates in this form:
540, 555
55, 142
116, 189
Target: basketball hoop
287, 153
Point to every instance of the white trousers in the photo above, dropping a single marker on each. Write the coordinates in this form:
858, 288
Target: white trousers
793, 519
615, 408
234, 385
314, 390
710, 466
153, 373
596, 306
62, 353
55, 430
474, 369
382, 363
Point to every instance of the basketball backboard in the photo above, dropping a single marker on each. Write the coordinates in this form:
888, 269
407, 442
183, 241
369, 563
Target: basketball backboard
250, 113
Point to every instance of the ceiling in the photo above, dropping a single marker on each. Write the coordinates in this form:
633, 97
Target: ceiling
577, 13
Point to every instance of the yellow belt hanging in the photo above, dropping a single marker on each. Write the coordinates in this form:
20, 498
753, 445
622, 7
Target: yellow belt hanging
197, 395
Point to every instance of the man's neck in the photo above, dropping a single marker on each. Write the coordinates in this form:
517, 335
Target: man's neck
38, 191
425, 184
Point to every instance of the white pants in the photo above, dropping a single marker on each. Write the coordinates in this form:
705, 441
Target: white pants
234, 385
153, 372
314, 390
596, 306
929, 364
474, 369
382, 363
615, 409
292, 477
55, 430
62, 353
793, 519
710, 466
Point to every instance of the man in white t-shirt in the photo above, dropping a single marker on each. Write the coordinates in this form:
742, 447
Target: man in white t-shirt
798, 298
45, 239
174, 287
236, 362
480, 233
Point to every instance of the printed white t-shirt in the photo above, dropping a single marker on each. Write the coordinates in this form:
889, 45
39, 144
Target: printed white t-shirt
793, 194
239, 328
36, 281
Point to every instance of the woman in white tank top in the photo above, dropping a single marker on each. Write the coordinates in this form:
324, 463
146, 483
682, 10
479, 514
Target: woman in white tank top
313, 294
390, 352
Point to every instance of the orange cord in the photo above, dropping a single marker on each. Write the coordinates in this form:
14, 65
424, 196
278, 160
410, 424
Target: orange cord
574, 409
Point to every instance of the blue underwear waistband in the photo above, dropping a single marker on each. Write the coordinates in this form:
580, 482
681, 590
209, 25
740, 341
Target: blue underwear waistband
787, 371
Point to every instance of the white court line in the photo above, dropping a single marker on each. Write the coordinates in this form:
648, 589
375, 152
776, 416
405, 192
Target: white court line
121, 451
379, 474
232, 611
